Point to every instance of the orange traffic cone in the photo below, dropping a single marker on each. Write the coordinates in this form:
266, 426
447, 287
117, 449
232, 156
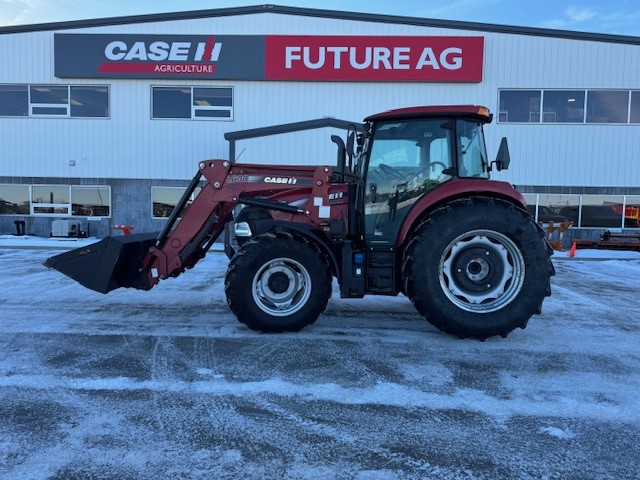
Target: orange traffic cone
572, 251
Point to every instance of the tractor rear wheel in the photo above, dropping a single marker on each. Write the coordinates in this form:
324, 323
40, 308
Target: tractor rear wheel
477, 268
278, 282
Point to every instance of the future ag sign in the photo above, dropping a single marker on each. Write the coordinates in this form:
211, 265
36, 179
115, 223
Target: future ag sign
270, 57
388, 59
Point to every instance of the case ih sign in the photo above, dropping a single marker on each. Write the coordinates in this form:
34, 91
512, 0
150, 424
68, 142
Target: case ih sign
270, 57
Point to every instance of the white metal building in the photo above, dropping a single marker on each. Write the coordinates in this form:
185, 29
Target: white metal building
106, 120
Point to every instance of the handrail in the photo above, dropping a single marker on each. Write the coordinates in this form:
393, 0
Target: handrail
231, 137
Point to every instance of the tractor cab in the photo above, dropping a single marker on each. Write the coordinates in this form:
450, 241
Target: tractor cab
406, 153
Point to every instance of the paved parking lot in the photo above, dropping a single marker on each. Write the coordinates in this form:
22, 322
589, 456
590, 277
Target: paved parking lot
167, 384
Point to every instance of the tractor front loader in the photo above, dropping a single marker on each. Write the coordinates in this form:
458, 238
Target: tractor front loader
410, 210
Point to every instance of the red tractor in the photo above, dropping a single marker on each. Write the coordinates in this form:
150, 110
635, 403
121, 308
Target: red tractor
409, 210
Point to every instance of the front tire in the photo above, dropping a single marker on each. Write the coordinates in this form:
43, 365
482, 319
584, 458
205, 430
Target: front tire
477, 268
278, 282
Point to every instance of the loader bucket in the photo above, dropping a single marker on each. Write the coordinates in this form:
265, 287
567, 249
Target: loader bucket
111, 263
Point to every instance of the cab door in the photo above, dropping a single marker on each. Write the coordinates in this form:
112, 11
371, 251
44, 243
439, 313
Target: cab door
406, 160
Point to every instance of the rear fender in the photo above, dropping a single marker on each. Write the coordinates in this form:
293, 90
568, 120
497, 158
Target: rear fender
453, 190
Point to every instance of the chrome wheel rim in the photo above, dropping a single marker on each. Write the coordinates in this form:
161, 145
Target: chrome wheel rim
281, 287
482, 271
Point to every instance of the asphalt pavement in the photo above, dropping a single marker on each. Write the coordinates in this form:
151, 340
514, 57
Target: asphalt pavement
167, 384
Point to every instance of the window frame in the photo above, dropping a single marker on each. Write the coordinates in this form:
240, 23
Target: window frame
87, 187
627, 200
556, 112
197, 108
83, 86
503, 117
68, 206
27, 198
505, 113
31, 105
627, 112
33, 205
631, 104
26, 90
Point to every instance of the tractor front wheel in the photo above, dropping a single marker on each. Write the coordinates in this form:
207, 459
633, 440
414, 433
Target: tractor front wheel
278, 282
477, 268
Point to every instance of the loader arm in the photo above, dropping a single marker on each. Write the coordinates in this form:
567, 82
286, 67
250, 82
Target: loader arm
140, 261
191, 230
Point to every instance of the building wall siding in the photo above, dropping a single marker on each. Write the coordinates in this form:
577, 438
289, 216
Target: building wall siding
130, 145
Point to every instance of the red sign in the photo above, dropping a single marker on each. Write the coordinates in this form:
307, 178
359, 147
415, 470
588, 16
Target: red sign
389, 58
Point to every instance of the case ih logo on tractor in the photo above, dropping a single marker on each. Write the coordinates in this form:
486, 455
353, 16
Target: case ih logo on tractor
411, 211
283, 180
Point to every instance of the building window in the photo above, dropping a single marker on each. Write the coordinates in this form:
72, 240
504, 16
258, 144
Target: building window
56, 200
90, 201
569, 106
90, 101
14, 199
532, 201
560, 205
601, 211
635, 107
607, 106
50, 200
49, 100
213, 103
171, 102
165, 199
592, 211
632, 210
519, 106
75, 101
14, 100
563, 106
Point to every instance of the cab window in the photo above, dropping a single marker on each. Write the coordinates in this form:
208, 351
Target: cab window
472, 153
407, 159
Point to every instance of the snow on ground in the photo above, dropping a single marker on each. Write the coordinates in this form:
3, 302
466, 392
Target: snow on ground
167, 384
30, 242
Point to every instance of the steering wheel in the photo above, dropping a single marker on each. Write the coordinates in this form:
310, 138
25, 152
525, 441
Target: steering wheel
390, 171
429, 166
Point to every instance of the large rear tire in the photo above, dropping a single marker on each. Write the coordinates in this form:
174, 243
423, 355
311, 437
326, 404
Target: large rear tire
278, 282
477, 268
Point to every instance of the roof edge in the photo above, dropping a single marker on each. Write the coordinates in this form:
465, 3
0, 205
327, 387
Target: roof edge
321, 13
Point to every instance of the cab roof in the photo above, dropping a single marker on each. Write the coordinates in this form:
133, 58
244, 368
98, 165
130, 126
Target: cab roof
475, 111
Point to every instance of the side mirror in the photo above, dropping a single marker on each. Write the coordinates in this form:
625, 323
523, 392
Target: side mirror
503, 159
